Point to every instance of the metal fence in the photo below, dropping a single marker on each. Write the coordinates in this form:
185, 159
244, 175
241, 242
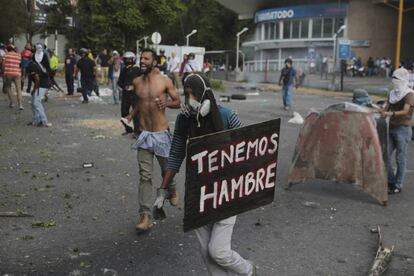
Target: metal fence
273, 65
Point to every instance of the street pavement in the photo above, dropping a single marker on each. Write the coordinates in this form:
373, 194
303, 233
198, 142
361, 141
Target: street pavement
83, 219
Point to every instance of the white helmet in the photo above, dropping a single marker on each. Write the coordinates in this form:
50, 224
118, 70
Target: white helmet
129, 55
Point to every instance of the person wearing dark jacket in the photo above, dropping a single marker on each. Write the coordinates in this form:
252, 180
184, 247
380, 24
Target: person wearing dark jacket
129, 98
200, 115
88, 72
70, 63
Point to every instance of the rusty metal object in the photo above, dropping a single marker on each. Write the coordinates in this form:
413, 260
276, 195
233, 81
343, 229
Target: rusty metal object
341, 143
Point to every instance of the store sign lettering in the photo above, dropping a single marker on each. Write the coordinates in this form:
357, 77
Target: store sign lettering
283, 14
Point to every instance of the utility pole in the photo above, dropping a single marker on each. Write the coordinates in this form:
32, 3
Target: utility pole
399, 30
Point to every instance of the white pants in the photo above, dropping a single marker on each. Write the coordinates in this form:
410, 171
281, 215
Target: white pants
215, 247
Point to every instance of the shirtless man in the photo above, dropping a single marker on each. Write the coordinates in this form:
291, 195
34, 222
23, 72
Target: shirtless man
152, 90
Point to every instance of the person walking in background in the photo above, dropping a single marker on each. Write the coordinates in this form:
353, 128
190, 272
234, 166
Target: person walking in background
13, 74
27, 55
103, 59
115, 66
388, 68
191, 66
324, 68
70, 63
399, 107
371, 66
88, 71
182, 66
174, 69
288, 78
207, 67
54, 62
2, 54
162, 62
128, 98
40, 76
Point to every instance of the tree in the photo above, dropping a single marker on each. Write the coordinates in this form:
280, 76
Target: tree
118, 23
17, 17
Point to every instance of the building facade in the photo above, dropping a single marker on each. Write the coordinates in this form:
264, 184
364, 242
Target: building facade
305, 31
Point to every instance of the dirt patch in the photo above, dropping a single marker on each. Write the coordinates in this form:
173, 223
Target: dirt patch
101, 124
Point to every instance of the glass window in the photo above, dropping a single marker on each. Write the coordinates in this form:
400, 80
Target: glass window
295, 28
272, 30
317, 28
327, 27
338, 23
304, 28
286, 29
259, 32
266, 31
276, 26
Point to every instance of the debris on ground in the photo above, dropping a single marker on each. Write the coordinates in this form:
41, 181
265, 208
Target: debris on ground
382, 258
44, 224
16, 214
311, 204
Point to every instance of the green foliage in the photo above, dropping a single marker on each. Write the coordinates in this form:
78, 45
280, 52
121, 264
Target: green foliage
217, 84
117, 24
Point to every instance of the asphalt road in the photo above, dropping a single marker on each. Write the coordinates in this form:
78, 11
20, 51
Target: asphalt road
88, 215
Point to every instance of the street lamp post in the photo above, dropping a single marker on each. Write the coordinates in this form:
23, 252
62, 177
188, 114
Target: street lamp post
245, 29
145, 42
187, 37
335, 37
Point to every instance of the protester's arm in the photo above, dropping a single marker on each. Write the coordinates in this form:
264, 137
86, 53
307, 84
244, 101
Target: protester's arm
174, 101
177, 154
76, 71
281, 77
403, 112
36, 82
234, 121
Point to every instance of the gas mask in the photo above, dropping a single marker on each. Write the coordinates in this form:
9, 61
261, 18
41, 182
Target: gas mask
202, 108
194, 107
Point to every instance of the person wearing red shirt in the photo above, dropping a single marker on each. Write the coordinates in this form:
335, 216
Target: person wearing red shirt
27, 55
13, 73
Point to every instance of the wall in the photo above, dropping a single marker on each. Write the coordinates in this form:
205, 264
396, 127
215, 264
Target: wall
376, 23
61, 42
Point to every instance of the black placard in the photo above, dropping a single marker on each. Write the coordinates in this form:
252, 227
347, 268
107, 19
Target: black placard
230, 172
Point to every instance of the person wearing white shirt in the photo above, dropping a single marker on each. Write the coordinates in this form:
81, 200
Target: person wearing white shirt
174, 68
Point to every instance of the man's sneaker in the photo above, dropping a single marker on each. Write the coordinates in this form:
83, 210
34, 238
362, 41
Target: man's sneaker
173, 198
254, 269
21, 107
84, 101
11, 105
145, 223
394, 191
43, 124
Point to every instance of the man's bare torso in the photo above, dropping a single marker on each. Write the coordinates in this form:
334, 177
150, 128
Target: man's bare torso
150, 88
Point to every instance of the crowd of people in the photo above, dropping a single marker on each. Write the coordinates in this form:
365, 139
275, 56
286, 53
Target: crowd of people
148, 87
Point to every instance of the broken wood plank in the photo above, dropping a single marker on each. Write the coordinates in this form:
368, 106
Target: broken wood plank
14, 214
382, 258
